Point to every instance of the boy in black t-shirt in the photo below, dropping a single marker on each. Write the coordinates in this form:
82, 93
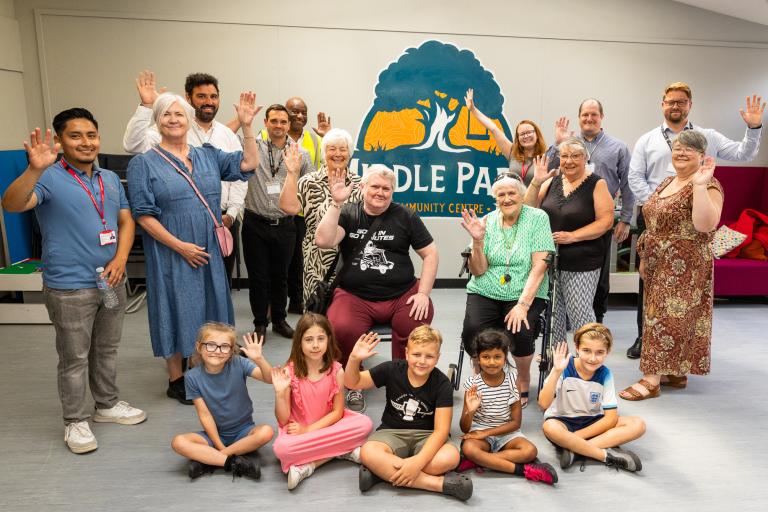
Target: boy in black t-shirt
410, 447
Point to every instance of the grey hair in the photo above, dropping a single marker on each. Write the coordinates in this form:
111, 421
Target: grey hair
692, 139
380, 170
506, 179
335, 135
164, 102
571, 142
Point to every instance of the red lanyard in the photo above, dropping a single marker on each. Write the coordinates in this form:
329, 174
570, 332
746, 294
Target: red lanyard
524, 169
100, 211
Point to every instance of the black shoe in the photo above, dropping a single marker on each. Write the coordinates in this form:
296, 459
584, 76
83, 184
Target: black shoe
246, 465
624, 459
198, 469
176, 390
457, 485
260, 331
599, 318
367, 478
633, 352
296, 307
566, 458
282, 328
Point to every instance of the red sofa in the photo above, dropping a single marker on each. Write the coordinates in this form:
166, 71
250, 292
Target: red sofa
744, 187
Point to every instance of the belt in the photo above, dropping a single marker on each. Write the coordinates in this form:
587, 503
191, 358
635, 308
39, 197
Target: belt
266, 220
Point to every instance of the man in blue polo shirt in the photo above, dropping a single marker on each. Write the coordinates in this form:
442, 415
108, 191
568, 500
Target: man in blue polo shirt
86, 224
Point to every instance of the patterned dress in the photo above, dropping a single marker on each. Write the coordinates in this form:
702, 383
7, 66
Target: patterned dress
315, 198
677, 328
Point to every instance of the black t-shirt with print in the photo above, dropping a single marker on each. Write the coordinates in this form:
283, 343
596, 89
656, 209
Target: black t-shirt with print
384, 271
409, 407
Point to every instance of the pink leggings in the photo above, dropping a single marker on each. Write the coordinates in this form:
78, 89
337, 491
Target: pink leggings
352, 316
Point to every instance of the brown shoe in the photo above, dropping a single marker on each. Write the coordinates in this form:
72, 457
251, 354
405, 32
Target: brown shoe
282, 328
634, 395
674, 381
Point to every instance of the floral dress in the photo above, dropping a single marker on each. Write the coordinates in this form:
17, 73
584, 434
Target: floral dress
677, 327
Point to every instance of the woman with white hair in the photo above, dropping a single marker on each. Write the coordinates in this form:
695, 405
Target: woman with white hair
186, 281
311, 194
580, 210
508, 288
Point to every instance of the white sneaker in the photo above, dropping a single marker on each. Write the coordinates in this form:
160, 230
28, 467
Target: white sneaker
121, 413
353, 456
298, 473
79, 437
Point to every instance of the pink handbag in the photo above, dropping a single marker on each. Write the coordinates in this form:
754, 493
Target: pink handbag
223, 235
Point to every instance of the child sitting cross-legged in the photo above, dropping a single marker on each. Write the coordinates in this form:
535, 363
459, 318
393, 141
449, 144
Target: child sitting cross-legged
579, 396
492, 415
411, 448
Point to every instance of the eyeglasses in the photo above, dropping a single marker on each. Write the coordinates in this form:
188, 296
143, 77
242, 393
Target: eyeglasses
685, 149
212, 347
675, 103
529, 133
574, 156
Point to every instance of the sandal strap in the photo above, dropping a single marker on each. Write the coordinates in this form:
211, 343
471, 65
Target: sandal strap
648, 386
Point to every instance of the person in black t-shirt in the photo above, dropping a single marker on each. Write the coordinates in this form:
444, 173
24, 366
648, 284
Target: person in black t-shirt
411, 447
380, 286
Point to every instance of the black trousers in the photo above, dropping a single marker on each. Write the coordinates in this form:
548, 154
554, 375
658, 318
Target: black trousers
296, 268
229, 261
641, 288
600, 303
267, 251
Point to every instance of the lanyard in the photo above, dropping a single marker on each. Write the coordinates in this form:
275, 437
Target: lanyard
591, 152
274, 169
100, 211
524, 169
688, 126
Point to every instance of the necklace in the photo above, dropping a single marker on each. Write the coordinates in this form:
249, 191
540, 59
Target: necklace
509, 244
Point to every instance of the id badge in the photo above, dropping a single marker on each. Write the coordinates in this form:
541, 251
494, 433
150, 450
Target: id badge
273, 188
107, 237
590, 167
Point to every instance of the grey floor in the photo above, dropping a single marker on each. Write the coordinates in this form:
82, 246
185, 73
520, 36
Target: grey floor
705, 448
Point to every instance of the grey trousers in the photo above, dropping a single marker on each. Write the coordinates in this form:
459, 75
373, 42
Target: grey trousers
87, 337
574, 297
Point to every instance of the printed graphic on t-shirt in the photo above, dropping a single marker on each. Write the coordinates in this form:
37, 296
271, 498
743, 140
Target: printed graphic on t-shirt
374, 257
411, 407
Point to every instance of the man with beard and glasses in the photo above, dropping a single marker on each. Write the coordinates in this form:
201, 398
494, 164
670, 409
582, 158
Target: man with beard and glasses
87, 230
652, 158
202, 91
608, 157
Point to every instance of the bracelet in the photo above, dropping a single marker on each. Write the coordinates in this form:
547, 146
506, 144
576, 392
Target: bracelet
333, 203
249, 137
524, 303
535, 185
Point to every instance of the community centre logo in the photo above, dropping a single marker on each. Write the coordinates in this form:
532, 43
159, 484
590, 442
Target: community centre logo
419, 126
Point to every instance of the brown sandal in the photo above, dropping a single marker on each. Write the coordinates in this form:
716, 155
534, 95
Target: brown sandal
675, 381
634, 395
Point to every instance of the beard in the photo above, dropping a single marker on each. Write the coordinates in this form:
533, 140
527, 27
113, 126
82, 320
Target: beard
205, 116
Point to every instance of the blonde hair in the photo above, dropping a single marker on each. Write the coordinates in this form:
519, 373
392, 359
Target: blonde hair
210, 327
594, 331
678, 86
424, 334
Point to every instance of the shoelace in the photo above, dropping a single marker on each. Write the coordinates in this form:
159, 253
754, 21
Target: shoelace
82, 429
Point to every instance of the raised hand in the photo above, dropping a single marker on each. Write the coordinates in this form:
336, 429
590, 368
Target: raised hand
40, 153
323, 124
340, 191
469, 99
540, 172
292, 158
364, 346
753, 115
247, 108
705, 172
147, 88
252, 346
281, 379
473, 225
472, 399
560, 356
561, 130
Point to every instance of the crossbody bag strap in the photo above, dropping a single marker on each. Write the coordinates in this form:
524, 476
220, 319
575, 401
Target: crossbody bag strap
358, 248
191, 184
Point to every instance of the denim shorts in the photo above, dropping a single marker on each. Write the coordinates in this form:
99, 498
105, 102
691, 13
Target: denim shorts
230, 439
499, 442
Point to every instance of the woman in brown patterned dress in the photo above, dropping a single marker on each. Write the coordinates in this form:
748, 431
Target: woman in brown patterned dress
676, 265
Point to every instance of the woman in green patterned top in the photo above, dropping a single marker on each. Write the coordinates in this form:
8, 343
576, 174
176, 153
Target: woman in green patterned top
509, 283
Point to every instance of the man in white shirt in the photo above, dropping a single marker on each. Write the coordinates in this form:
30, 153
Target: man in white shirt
202, 91
652, 156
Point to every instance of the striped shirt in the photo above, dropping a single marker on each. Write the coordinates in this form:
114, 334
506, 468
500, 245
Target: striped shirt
495, 401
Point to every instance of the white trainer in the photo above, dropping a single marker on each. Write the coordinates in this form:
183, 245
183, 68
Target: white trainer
121, 413
353, 456
79, 437
298, 473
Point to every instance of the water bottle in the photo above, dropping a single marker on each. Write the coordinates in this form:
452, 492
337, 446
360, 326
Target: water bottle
108, 294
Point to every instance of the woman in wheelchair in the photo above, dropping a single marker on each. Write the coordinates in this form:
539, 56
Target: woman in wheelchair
508, 288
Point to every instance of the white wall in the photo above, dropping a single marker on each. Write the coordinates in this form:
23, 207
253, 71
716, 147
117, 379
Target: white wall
545, 56
13, 129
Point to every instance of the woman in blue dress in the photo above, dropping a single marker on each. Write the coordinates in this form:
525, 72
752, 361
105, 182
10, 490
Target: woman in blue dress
187, 284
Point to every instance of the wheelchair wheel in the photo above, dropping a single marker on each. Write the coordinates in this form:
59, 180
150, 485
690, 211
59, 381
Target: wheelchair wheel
453, 376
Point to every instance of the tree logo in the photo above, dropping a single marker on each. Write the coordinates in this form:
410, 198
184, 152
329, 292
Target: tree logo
445, 160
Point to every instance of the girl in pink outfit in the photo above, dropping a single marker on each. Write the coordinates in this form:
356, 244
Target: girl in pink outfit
309, 404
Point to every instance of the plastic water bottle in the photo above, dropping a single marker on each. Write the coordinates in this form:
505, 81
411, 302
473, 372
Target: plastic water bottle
108, 294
